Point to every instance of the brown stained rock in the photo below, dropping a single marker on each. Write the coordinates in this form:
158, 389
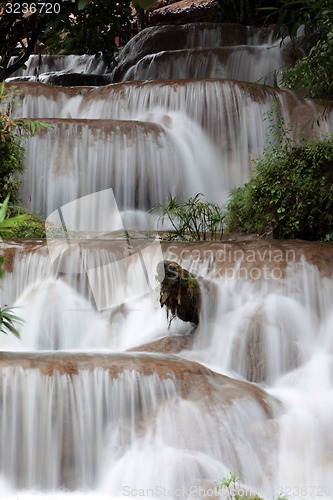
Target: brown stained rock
107, 127
42, 89
16, 249
184, 11
269, 257
72, 363
167, 345
220, 256
230, 96
194, 380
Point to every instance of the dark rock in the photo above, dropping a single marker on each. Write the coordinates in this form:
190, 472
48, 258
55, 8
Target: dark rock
180, 291
188, 36
74, 79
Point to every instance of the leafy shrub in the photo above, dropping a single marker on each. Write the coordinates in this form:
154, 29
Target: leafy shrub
231, 490
312, 72
27, 226
8, 223
289, 193
11, 152
191, 220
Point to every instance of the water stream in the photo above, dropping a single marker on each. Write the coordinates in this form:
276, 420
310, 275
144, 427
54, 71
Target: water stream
96, 402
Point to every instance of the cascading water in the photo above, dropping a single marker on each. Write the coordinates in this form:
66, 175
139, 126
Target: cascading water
143, 161
39, 64
163, 134
82, 419
284, 323
245, 64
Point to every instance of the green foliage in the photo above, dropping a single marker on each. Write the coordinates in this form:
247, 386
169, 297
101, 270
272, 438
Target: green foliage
8, 225
312, 72
67, 27
11, 151
290, 192
192, 220
230, 486
246, 12
26, 225
8, 321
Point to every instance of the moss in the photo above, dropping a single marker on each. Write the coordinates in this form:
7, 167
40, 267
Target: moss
33, 226
180, 291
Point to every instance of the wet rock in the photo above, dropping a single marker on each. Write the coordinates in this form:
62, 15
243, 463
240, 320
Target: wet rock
188, 36
184, 10
252, 259
217, 62
166, 345
194, 380
180, 291
74, 79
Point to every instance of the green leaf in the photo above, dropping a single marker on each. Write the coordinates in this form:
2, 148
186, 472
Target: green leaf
3, 209
8, 320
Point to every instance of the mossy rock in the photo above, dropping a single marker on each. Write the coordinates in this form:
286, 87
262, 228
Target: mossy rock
180, 291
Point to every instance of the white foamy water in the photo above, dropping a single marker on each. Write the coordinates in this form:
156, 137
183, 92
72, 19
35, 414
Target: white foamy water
38, 64
94, 428
269, 331
143, 161
244, 63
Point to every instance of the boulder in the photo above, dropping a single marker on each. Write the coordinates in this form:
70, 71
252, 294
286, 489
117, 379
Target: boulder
180, 291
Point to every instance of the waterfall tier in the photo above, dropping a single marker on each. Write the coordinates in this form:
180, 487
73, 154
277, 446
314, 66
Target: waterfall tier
250, 388
101, 414
170, 131
92, 414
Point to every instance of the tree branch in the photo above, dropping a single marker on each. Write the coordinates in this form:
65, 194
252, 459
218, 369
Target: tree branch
6, 72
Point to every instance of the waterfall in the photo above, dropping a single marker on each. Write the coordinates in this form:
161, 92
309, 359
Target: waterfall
246, 64
60, 424
104, 396
90, 428
143, 161
167, 41
108, 418
39, 64
171, 140
240, 106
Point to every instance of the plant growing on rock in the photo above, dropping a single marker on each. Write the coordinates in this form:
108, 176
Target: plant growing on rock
290, 192
191, 220
230, 485
180, 292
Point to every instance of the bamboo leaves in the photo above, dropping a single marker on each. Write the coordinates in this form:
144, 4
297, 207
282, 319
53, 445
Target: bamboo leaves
191, 220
